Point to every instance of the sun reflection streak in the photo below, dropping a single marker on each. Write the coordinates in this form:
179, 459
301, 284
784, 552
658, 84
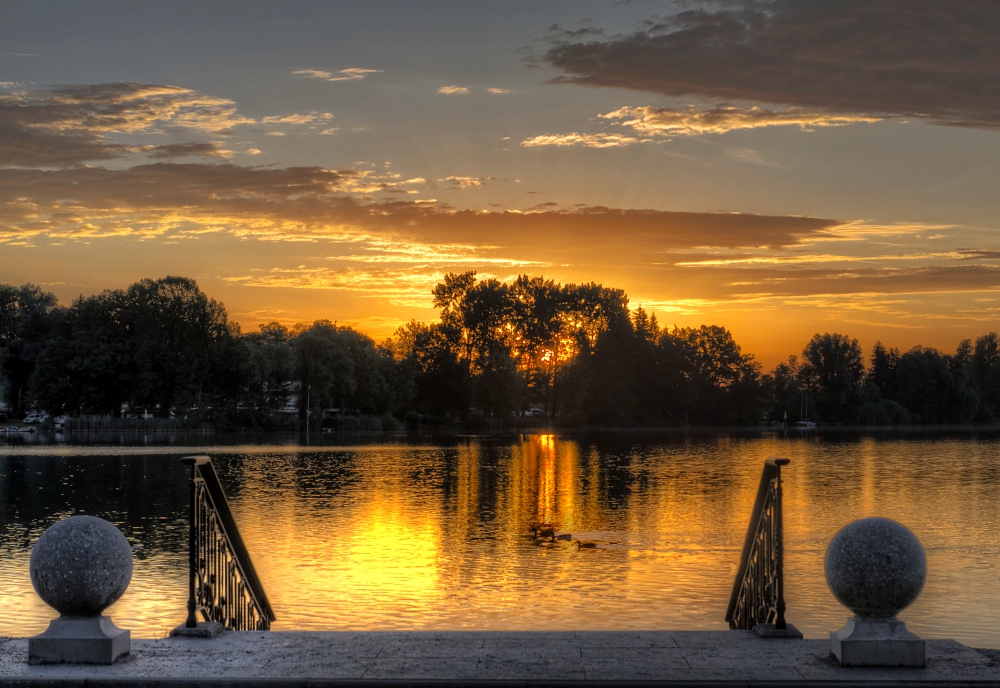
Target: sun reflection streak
546, 478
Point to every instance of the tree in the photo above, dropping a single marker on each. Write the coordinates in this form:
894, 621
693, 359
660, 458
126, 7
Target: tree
173, 329
324, 367
450, 296
592, 310
87, 367
26, 319
784, 393
429, 365
646, 326
160, 344
9, 313
725, 383
883, 370
272, 365
986, 369
539, 317
833, 372
934, 388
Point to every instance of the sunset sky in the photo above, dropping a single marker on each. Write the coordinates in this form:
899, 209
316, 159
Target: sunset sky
779, 168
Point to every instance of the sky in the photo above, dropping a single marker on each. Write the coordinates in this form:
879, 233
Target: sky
777, 167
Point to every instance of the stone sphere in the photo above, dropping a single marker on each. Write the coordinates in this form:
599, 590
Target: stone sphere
81, 565
875, 567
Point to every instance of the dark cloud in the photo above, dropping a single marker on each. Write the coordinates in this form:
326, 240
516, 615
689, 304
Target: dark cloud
221, 188
71, 125
937, 61
28, 147
558, 33
611, 232
310, 203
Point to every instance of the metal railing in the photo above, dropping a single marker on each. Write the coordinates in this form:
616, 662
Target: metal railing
758, 591
222, 584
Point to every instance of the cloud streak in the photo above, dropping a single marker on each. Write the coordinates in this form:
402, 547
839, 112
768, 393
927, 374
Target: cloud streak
599, 140
308, 118
720, 119
349, 74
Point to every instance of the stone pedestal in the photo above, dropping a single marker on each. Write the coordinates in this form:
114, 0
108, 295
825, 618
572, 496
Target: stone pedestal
79, 567
876, 568
79, 640
877, 643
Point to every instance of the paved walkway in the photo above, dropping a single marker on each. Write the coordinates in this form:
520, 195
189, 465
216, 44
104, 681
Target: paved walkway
368, 659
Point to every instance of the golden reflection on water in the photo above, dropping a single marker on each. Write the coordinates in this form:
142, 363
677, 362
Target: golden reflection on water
425, 537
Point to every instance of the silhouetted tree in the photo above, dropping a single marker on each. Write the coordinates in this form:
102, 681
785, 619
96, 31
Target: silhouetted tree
883, 370
173, 331
324, 368
272, 365
87, 367
26, 321
985, 370
726, 384
499, 348
832, 372
783, 392
934, 388
430, 367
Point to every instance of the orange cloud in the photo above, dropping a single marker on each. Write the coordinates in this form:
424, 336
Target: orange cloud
578, 139
691, 121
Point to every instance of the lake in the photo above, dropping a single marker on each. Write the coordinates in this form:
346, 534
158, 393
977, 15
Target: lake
434, 534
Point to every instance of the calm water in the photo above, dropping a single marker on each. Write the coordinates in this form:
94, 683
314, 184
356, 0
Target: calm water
435, 536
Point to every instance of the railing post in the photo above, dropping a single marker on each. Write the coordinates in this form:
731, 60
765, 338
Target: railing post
779, 549
192, 607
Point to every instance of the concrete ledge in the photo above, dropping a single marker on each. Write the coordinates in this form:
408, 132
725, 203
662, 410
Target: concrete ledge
442, 683
650, 659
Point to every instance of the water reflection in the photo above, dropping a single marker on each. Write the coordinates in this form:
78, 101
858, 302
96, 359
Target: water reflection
436, 536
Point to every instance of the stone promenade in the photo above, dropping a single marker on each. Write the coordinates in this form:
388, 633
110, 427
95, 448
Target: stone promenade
703, 658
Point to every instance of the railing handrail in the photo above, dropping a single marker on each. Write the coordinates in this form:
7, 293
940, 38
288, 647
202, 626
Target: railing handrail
771, 474
203, 468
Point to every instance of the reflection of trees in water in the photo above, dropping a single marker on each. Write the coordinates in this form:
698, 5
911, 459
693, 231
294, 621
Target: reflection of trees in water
145, 496
309, 476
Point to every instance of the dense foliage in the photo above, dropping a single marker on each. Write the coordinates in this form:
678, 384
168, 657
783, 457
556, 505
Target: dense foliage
575, 353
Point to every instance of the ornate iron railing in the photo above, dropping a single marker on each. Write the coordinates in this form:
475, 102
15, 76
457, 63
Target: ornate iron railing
222, 583
758, 592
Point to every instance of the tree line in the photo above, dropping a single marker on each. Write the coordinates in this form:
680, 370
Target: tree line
573, 353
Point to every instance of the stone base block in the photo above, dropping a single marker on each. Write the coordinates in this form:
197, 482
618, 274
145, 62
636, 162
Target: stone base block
79, 640
205, 629
877, 643
767, 630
